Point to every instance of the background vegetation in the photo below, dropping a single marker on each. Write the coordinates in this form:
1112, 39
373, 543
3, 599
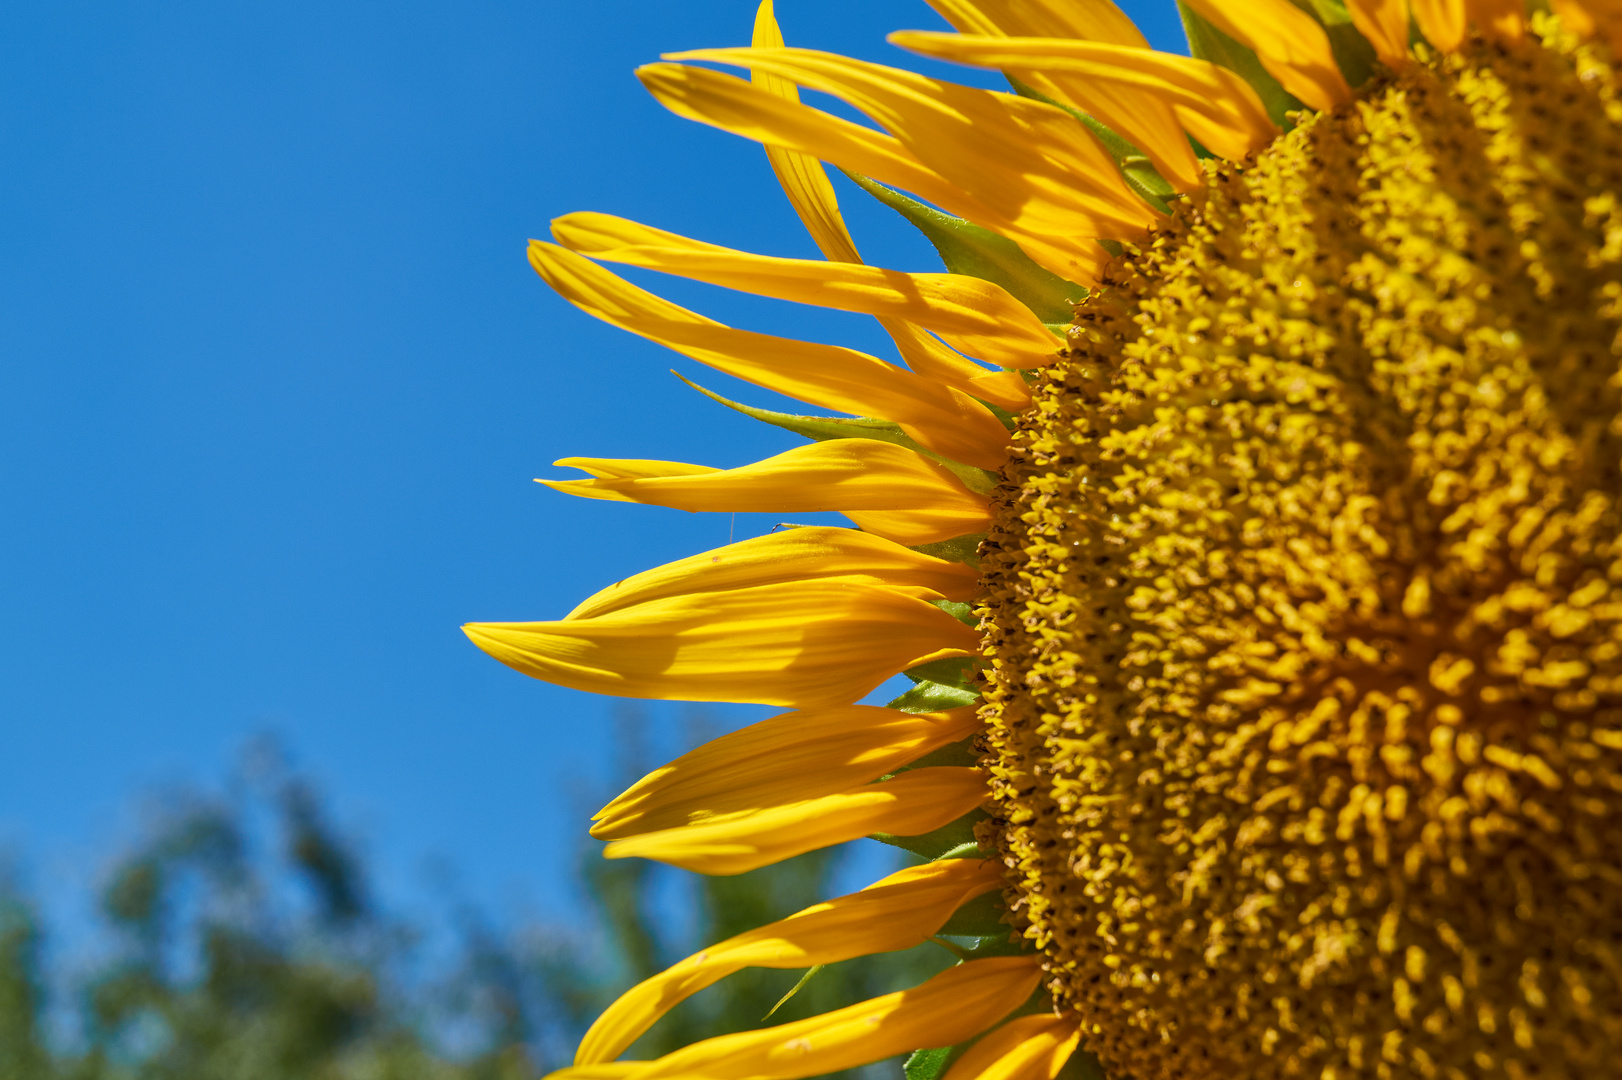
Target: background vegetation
241, 938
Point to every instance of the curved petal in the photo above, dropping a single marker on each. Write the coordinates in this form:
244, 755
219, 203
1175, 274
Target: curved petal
801, 644
945, 420
1213, 104
1028, 1048
802, 176
1384, 24
1142, 119
1291, 45
1441, 21
1084, 20
841, 475
793, 757
956, 1004
1504, 20
896, 913
734, 105
802, 554
1040, 173
805, 183
914, 803
970, 313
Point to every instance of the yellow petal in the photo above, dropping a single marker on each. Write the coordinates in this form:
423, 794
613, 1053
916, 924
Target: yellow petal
792, 555
1142, 121
1213, 104
1006, 388
973, 315
1039, 173
915, 802
1504, 20
955, 1005
915, 526
944, 420
800, 644
933, 359
734, 105
1086, 20
803, 179
1384, 23
1291, 45
1441, 21
898, 912
1029, 1048
919, 501
793, 757
604, 1070
809, 191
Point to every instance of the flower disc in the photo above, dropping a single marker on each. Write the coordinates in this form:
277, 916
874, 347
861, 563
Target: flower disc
1306, 602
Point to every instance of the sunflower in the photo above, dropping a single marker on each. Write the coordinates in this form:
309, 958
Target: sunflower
1244, 511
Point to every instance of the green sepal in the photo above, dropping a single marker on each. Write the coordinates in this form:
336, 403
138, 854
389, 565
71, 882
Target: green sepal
1353, 53
952, 754
1082, 1066
980, 917
817, 428
974, 251
931, 1064
929, 696
1008, 419
1137, 170
956, 671
823, 428
1208, 43
932, 845
957, 609
970, 850
979, 948
963, 549
810, 973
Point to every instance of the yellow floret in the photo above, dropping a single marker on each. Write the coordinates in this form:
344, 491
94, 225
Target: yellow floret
1306, 602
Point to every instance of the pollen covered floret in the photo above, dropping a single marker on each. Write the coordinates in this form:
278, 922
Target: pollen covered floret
1306, 602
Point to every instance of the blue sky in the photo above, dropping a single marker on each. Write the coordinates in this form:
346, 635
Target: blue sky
275, 379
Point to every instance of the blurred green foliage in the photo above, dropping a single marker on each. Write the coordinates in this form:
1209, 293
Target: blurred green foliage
240, 939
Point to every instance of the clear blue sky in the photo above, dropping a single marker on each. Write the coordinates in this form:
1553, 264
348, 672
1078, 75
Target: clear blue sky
275, 378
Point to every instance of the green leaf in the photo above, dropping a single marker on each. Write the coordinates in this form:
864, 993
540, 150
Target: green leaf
963, 549
932, 845
1137, 170
929, 696
968, 249
1208, 43
823, 428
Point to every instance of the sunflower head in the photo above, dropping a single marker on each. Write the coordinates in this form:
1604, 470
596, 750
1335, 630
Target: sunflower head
1307, 637
1272, 662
